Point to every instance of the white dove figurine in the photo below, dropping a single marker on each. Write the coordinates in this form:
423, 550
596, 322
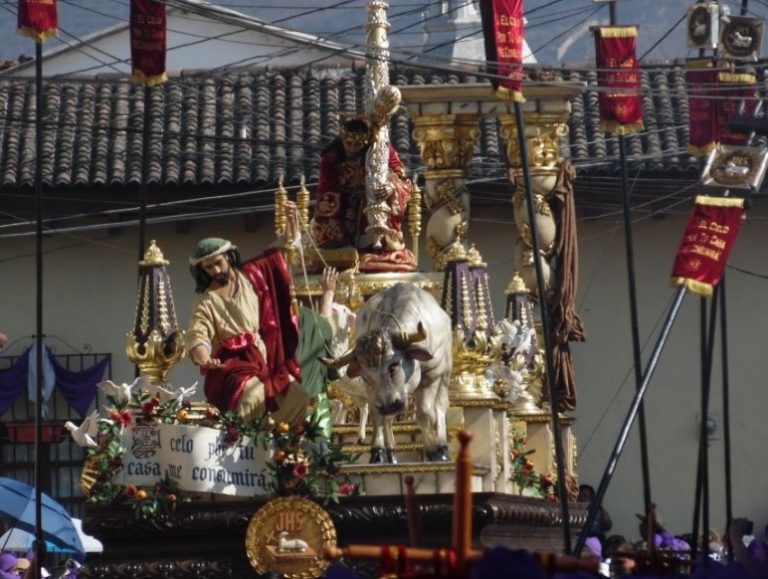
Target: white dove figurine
162, 393
85, 434
184, 393
524, 342
122, 393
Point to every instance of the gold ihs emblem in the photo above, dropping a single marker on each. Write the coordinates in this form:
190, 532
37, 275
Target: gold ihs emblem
289, 536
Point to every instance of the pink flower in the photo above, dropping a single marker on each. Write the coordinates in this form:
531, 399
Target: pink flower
347, 489
301, 470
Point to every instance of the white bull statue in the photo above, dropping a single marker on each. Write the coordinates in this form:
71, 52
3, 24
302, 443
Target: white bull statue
403, 349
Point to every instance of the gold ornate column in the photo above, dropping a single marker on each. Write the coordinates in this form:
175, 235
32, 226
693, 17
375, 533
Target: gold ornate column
447, 141
551, 175
447, 144
545, 134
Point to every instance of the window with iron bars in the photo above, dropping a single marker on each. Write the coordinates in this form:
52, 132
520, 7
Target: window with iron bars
62, 458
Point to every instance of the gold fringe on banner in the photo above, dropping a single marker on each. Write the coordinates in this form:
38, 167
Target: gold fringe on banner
34, 34
698, 287
510, 95
719, 201
702, 151
618, 128
141, 78
737, 78
618, 31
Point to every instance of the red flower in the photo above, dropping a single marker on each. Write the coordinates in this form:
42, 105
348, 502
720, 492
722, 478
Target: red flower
300, 470
148, 408
233, 434
347, 489
123, 418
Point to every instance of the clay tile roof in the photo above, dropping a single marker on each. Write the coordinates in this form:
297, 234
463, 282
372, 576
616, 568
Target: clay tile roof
249, 128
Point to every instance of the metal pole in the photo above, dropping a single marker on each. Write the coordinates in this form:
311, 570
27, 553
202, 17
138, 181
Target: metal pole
698, 487
546, 325
613, 460
726, 409
39, 542
635, 326
634, 323
703, 440
146, 135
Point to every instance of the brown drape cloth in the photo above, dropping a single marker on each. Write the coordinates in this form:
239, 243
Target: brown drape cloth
566, 323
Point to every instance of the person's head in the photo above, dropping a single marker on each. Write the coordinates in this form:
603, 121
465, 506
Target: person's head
211, 261
22, 565
355, 135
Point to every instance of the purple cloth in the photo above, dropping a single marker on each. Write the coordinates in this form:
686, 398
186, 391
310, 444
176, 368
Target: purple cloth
666, 540
336, 571
593, 544
12, 381
503, 562
79, 388
758, 550
7, 561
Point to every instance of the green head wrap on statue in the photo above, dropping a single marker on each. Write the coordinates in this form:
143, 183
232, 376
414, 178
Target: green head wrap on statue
210, 247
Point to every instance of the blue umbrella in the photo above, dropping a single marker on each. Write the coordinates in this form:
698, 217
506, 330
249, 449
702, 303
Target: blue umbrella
17, 509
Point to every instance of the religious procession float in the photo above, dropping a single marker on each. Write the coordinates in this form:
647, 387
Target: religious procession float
357, 397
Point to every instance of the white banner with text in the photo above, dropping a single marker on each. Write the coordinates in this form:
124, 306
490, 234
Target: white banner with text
198, 459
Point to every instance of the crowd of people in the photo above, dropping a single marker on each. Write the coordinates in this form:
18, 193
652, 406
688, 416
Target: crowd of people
736, 554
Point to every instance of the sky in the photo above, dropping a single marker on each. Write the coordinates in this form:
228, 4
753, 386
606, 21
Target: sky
557, 30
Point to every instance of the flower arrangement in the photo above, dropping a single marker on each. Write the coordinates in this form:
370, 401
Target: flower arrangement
525, 476
303, 461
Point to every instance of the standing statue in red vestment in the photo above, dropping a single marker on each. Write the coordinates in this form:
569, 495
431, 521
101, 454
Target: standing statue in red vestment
340, 217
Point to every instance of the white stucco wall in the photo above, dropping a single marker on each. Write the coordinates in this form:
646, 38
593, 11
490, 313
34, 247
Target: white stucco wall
90, 287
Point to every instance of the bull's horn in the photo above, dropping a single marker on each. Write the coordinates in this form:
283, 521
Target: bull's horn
407, 338
337, 363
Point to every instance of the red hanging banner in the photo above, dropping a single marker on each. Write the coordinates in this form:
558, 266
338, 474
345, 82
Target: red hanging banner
703, 127
37, 18
621, 108
712, 229
148, 36
734, 90
503, 31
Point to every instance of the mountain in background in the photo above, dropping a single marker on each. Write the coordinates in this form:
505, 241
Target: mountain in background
557, 33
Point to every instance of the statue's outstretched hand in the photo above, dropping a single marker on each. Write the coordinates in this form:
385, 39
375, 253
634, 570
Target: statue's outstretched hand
328, 280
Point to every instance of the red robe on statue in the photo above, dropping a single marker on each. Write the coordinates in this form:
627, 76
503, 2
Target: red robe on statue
279, 329
339, 218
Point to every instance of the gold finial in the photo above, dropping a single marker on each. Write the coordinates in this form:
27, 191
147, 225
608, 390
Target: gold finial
414, 217
455, 252
474, 257
153, 255
302, 203
281, 198
517, 285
